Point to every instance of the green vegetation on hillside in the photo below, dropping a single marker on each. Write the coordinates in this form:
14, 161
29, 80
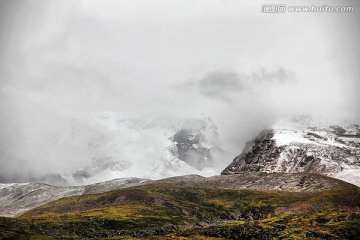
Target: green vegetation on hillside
172, 212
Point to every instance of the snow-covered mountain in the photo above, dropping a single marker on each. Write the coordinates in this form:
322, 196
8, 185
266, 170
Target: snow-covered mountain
153, 149
304, 145
85, 148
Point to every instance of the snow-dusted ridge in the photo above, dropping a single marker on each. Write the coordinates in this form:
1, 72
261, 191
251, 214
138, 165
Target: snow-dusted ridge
17, 198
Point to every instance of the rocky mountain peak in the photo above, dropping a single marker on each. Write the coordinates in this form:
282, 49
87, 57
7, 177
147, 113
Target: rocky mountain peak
332, 150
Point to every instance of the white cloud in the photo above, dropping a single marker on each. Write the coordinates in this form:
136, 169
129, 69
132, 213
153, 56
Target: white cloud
127, 56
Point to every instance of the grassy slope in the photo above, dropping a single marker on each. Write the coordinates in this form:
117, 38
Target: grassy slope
192, 213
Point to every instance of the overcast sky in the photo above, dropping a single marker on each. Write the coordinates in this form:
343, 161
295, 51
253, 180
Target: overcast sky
146, 59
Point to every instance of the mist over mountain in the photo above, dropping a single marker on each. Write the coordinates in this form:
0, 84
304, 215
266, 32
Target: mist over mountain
95, 90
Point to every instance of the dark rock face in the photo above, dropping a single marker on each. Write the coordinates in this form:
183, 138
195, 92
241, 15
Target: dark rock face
190, 149
327, 151
255, 154
197, 143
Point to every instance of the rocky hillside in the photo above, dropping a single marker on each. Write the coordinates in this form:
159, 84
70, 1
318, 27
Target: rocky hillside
309, 147
290, 182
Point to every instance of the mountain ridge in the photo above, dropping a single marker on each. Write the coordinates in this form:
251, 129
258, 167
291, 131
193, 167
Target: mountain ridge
16, 199
195, 207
